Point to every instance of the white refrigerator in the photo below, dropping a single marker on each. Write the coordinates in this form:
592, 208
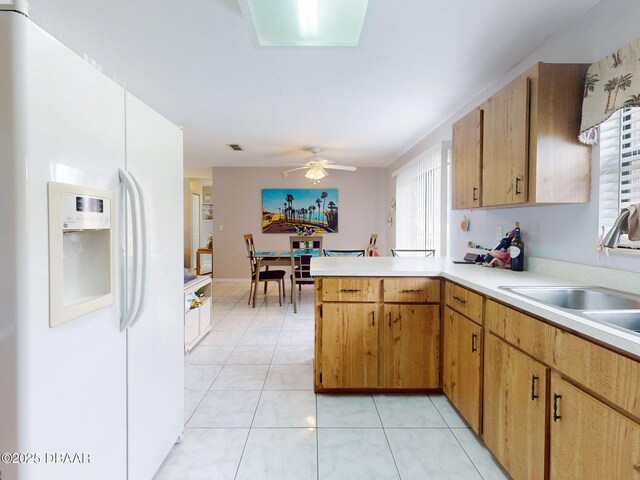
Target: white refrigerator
86, 399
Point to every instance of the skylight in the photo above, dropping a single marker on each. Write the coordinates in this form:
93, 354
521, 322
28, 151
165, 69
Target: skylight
307, 23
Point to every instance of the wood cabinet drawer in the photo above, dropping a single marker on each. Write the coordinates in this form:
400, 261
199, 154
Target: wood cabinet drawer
464, 301
604, 372
348, 289
411, 290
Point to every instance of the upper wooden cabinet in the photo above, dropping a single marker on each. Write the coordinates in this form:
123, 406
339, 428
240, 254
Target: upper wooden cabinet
505, 146
530, 153
467, 161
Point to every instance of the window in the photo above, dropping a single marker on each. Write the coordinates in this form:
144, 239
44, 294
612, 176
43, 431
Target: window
619, 167
420, 209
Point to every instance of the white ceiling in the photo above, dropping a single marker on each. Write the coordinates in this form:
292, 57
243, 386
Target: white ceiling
195, 62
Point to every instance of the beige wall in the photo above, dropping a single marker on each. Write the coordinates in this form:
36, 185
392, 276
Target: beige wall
237, 209
564, 232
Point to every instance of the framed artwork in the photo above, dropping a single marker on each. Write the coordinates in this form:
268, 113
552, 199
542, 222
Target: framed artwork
291, 210
207, 211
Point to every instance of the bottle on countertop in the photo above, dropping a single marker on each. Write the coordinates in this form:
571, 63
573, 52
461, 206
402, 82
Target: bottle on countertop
516, 251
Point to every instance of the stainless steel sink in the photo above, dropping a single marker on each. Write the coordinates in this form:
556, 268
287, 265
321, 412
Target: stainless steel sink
617, 309
627, 320
579, 298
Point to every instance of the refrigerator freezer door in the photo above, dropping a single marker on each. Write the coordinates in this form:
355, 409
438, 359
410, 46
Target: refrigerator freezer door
67, 385
155, 342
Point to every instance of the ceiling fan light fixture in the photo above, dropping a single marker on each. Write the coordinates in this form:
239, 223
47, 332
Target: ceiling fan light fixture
316, 173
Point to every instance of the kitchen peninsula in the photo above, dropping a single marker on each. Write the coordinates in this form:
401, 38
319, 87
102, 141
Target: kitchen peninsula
541, 386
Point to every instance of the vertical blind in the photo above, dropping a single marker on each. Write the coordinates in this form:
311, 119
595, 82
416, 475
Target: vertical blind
619, 167
419, 218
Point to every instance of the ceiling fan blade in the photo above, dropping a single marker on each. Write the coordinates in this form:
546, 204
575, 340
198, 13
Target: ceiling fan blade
341, 167
324, 162
287, 172
293, 165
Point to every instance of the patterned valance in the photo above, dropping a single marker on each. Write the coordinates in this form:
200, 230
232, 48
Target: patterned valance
611, 84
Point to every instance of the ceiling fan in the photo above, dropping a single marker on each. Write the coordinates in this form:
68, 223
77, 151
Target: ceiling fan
317, 166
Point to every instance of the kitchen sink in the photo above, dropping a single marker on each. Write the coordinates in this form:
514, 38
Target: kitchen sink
617, 309
627, 320
579, 298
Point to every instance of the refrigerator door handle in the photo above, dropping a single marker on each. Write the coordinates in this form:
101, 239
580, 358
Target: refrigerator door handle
131, 305
144, 251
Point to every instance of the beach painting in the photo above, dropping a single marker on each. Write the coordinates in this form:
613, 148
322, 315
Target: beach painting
291, 210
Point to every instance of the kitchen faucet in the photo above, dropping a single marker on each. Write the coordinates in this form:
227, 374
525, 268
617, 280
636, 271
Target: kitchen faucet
612, 238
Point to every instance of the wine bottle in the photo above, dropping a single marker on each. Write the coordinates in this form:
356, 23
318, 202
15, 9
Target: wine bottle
516, 251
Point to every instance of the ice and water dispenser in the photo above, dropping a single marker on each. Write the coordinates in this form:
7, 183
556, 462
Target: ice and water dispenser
81, 251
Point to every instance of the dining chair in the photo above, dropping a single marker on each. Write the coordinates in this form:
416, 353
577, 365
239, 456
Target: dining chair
302, 249
263, 276
413, 252
371, 249
343, 253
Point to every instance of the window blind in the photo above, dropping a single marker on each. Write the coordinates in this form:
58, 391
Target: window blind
619, 167
419, 213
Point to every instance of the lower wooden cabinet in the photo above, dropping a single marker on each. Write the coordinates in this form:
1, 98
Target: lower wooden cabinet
588, 439
462, 362
410, 346
377, 334
514, 409
349, 355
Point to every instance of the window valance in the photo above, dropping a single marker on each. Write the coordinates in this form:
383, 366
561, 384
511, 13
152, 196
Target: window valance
611, 84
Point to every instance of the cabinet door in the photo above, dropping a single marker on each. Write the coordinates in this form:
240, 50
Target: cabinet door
590, 440
466, 161
505, 148
349, 357
462, 354
191, 327
514, 409
410, 355
205, 315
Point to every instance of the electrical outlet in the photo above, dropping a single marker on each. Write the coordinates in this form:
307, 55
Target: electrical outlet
220, 227
499, 233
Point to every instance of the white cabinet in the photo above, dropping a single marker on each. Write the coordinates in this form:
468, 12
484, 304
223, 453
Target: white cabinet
197, 320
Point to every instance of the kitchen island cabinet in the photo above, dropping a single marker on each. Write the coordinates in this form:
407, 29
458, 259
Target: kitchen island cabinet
377, 334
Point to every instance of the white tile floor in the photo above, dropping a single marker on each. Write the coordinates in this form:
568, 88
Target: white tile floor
250, 410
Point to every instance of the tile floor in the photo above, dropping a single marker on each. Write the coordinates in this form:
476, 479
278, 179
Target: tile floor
250, 410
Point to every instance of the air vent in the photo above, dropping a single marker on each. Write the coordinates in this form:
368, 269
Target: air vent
235, 146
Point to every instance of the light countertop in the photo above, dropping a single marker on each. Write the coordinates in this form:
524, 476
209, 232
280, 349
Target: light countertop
483, 280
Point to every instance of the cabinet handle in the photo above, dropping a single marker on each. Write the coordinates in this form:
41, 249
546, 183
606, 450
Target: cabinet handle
518, 180
350, 290
462, 301
389, 318
556, 417
373, 319
412, 291
473, 342
475, 189
533, 387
